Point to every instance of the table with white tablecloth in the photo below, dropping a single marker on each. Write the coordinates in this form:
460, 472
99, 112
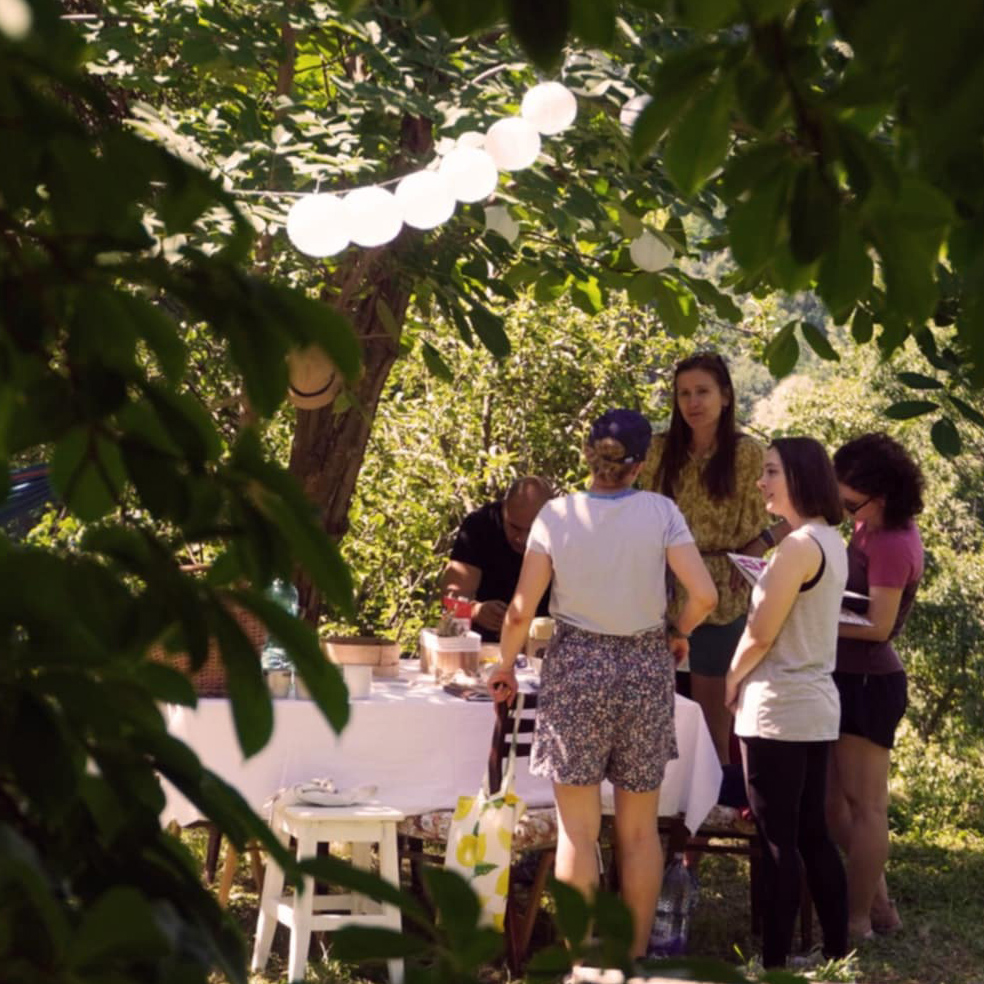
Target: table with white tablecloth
421, 747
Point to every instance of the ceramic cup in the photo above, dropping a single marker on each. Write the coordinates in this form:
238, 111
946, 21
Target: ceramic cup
358, 679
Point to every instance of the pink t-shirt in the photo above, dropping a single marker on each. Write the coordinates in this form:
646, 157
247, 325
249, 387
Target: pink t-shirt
883, 559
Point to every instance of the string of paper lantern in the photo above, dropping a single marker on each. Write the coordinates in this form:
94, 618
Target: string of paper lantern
323, 224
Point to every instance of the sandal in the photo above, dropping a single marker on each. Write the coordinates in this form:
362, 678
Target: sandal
888, 928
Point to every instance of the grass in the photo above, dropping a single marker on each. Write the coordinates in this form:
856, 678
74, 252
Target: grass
936, 874
937, 879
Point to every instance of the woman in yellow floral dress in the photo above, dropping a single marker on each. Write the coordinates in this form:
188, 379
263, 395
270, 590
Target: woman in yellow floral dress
709, 469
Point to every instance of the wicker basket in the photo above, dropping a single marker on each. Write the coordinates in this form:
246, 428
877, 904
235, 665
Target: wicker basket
210, 679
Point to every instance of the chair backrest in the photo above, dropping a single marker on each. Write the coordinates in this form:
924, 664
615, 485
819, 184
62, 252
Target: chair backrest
502, 736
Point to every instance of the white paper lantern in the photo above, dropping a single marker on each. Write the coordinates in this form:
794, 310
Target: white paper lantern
498, 219
631, 110
425, 199
550, 107
15, 19
374, 216
513, 143
471, 138
650, 253
470, 173
317, 225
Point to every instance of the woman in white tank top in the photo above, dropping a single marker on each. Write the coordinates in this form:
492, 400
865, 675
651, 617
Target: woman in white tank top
780, 687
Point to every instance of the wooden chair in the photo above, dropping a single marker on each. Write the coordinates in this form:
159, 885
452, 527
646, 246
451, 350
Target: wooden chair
535, 833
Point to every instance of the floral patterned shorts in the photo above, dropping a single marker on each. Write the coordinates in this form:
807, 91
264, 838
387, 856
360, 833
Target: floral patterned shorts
605, 710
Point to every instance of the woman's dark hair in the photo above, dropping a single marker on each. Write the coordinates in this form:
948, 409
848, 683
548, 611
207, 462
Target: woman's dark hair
810, 479
719, 473
878, 466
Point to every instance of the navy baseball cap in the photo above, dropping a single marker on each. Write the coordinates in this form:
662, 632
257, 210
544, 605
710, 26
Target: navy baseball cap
629, 428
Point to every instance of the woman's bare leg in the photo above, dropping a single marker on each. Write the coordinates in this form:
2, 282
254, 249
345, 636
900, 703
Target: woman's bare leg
640, 859
708, 691
578, 827
862, 776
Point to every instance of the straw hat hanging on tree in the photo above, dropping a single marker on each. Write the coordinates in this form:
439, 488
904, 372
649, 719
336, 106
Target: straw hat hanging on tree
313, 379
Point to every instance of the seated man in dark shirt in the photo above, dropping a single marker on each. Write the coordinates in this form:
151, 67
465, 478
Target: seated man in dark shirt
488, 554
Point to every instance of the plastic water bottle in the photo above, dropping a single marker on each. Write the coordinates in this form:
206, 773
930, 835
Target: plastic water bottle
674, 911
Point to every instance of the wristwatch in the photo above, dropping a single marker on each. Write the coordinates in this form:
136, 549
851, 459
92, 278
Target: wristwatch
672, 630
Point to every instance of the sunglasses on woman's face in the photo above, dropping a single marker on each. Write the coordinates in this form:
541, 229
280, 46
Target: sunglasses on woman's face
853, 507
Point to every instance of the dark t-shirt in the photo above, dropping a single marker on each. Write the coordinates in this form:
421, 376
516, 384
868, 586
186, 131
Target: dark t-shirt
884, 559
482, 543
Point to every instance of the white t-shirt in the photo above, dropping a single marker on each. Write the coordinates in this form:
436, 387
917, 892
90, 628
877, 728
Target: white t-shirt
609, 558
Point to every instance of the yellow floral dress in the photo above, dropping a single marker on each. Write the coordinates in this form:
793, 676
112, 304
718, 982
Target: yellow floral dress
716, 524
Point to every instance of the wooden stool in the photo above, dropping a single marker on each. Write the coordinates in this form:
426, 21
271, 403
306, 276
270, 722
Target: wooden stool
305, 912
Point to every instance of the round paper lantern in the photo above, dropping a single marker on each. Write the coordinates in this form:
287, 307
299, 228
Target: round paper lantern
550, 107
471, 138
631, 110
425, 199
316, 225
374, 216
470, 173
650, 253
513, 143
15, 19
498, 219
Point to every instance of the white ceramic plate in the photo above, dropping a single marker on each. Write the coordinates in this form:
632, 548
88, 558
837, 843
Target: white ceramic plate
344, 797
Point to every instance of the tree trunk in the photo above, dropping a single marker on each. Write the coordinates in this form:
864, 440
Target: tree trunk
328, 447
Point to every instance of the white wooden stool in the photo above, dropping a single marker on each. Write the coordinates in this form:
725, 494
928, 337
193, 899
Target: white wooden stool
305, 912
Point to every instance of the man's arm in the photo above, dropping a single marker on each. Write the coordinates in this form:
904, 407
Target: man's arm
464, 579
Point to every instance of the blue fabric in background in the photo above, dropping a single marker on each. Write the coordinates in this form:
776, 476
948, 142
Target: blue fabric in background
30, 491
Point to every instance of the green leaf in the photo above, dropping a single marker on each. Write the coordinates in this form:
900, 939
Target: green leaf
968, 412
724, 306
463, 18
676, 306
160, 333
845, 272
813, 216
573, 913
818, 342
758, 225
587, 296
185, 421
699, 143
642, 288
540, 28
435, 363
87, 470
301, 643
356, 944
679, 78
44, 762
119, 925
906, 409
708, 15
782, 351
862, 326
593, 22
490, 328
916, 380
946, 437
252, 709
280, 498
456, 904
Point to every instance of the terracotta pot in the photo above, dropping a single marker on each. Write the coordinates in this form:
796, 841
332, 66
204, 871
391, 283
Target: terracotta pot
383, 655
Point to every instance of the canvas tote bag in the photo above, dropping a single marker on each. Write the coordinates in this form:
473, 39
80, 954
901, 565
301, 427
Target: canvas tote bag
480, 837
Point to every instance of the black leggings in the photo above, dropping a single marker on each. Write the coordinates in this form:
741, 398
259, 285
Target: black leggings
786, 783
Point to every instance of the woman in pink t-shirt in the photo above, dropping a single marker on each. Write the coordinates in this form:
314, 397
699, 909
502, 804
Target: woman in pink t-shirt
881, 489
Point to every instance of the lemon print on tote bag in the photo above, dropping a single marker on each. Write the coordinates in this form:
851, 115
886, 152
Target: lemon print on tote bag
480, 839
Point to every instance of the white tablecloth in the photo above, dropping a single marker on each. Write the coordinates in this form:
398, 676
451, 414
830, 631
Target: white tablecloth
422, 747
